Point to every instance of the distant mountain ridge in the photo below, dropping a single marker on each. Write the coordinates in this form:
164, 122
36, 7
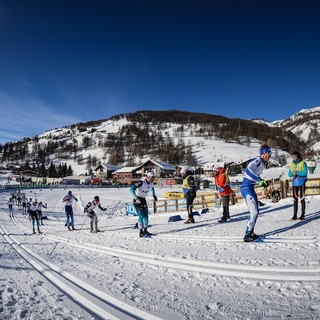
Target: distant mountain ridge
173, 136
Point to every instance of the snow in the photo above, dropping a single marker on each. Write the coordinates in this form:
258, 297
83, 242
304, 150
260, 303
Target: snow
198, 271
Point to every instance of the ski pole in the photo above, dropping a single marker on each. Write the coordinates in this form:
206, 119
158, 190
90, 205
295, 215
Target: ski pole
54, 248
85, 219
60, 212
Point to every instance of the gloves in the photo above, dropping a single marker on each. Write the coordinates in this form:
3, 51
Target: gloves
155, 197
263, 183
221, 190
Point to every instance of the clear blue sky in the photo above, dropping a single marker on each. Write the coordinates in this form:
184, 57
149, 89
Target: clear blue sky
68, 61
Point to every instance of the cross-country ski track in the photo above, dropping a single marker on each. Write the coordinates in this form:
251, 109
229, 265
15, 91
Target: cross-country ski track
119, 245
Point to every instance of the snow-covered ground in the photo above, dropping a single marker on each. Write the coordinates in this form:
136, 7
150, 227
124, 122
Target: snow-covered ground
198, 271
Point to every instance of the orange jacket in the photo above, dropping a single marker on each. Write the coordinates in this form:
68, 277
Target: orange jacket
223, 183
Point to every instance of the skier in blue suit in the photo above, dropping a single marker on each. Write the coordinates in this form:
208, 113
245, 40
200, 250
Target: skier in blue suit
139, 191
251, 177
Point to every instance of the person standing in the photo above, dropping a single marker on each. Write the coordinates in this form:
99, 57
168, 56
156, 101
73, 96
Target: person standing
251, 177
223, 185
189, 190
139, 191
298, 171
33, 215
89, 209
68, 199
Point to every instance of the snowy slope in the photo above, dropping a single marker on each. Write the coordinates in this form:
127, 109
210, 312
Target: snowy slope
207, 150
199, 271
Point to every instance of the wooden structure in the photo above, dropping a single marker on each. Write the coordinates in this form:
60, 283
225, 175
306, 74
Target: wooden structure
207, 199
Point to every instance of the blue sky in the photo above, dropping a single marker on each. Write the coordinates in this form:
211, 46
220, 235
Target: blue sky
68, 61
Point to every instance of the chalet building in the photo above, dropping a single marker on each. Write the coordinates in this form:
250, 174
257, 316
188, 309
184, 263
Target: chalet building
28, 173
127, 175
104, 170
160, 168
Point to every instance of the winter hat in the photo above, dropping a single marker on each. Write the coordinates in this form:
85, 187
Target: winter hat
216, 168
150, 174
265, 149
70, 192
96, 198
183, 169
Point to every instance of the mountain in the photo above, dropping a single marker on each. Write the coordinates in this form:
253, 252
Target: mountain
173, 136
306, 125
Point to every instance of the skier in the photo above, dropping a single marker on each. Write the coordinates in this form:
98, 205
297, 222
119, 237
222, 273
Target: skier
19, 196
251, 177
68, 199
24, 201
298, 171
39, 211
33, 216
90, 211
10, 206
223, 184
189, 190
139, 191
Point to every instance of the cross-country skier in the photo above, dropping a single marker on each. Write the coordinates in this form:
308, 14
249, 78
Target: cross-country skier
24, 201
189, 190
19, 196
90, 211
298, 171
251, 177
33, 215
139, 191
39, 211
68, 199
10, 206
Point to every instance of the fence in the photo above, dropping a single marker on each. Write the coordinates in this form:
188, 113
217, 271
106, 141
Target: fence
207, 199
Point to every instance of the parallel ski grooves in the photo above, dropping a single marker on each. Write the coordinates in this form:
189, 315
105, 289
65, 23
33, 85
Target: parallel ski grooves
244, 271
87, 296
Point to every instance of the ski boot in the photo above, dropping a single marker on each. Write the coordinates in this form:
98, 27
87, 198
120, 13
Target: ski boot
146, 233
250, 236
141, 233
190, 220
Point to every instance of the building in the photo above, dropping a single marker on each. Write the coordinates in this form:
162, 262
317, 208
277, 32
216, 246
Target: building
127, 175
104, 170
76, 180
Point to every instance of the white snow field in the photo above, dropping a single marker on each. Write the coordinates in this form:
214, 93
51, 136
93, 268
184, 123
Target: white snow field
185, 271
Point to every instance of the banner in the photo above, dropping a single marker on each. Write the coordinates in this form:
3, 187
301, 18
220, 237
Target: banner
130, 209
